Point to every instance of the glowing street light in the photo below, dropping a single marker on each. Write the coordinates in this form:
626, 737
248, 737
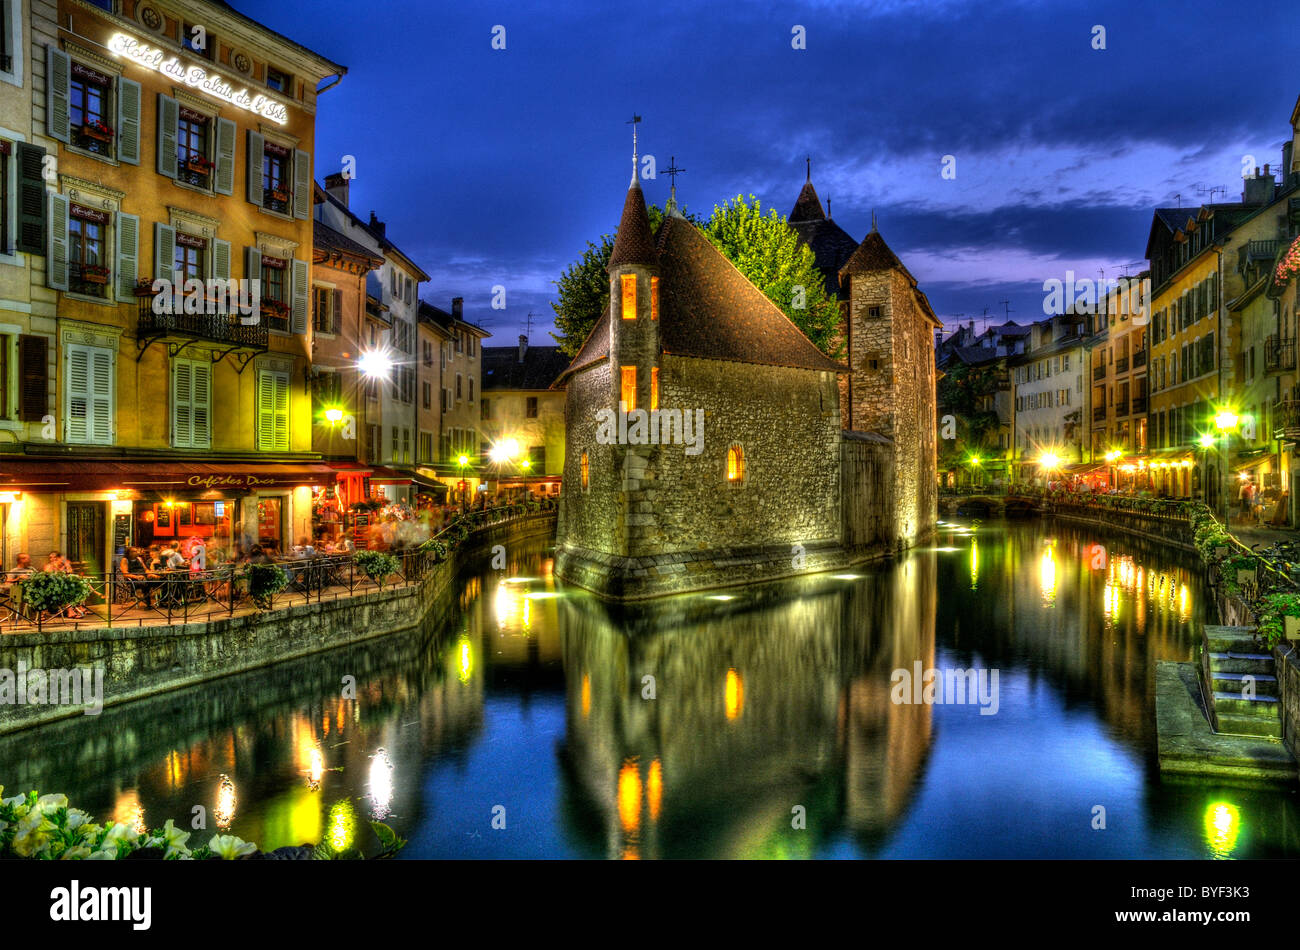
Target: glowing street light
373, 364
1226, 420
1049, 461
1206, 441
334, 416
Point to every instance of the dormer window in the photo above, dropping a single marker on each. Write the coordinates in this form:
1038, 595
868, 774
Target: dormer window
629, 296
277, 80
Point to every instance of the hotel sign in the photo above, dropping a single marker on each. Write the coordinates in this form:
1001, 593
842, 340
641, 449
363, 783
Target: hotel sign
214, 85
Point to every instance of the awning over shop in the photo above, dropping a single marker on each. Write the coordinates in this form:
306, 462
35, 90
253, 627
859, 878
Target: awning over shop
1244, 462
380, 475
64, 474
1082, 468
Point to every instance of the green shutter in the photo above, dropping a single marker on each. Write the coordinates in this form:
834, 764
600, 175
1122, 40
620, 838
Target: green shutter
164, 251
58, 85
128, 255
221, 260
300, 294
169, 117
225, 175
31, 199
34, 373
256, 159
182, 410
56, 252
301, 184
253, 272
200, 404
128, 121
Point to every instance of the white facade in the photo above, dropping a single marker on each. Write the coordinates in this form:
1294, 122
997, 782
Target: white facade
1050, 395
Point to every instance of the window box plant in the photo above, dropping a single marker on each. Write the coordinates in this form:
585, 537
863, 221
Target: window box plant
1279, 617
94, 273
97, 130
198, 164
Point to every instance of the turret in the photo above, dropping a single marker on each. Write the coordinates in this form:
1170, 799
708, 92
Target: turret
634, 302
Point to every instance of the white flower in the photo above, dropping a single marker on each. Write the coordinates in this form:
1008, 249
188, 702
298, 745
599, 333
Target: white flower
33, 834
118, 835
175, 839
230, 846
79, 853
52, 804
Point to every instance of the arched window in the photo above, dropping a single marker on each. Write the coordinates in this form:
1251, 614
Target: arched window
735, 465
585, 466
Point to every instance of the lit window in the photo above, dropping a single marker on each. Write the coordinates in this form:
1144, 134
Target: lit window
628, 393
629, 297
735, 465
654, 298
654, 386
586, 471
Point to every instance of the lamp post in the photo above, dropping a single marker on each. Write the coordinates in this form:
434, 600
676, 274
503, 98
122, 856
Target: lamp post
462, 461
1225, 421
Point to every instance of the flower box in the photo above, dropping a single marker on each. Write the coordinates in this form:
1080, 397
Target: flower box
99, 133
278, 195
1245, 578
95, 275
1221, 552
1292, 627
200, 166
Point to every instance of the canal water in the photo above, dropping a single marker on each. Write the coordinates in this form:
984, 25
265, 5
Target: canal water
527, 720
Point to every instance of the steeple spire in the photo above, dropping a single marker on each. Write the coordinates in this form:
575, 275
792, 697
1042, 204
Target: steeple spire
672, 171
634, 122
873, 219
808, 162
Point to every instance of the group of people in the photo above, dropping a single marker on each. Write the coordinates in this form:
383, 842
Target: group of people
55, 563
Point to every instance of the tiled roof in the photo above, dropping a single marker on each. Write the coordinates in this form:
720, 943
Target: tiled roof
327, 239
807, 207
831, 246
541, 367
444, 319
634, 244
873, 254
708, 309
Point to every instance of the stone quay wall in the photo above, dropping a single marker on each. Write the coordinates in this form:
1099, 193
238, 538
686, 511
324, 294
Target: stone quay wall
148, 660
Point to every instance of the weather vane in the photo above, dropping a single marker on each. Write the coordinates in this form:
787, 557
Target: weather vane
634, 122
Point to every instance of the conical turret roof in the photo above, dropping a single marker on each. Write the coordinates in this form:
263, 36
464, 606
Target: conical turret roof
633, 244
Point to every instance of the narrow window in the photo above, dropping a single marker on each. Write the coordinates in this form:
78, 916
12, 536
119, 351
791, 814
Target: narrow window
654, 298
654, 386
735, 465
586, 471
530, 407
628, 393
629, 296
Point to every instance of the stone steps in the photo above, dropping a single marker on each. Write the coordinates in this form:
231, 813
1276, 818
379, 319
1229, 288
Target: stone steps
1265, 685
1255, 663
1231, 658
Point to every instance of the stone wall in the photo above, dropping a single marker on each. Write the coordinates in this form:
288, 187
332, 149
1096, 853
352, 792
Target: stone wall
1288, 681
144, 661
891, 390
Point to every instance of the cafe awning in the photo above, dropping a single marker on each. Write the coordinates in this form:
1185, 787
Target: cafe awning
1245, 461
1082, 468
61, 475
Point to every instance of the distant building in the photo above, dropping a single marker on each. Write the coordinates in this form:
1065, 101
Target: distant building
1050, 397
461, 369
519, 405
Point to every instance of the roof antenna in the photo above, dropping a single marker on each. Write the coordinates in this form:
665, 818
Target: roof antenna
634, 121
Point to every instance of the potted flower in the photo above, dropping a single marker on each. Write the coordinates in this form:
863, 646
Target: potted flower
94, 129
1239, 572
376, 565
199, 164
94, 273
53, 592
1279, 617
264, 582
1289, 265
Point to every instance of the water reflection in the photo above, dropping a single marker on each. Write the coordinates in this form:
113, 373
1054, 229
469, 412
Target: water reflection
745, 723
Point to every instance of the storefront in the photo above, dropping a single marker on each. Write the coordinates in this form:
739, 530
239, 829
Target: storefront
92, 510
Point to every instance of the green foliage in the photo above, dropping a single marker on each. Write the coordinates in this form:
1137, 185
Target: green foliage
768, 251
54, 591
376, 565
1271, 623
762, 246
264, 582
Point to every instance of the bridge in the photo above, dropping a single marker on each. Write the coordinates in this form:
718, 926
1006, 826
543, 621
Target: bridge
990, 504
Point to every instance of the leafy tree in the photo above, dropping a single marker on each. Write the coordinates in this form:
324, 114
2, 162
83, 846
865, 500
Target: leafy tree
762, 246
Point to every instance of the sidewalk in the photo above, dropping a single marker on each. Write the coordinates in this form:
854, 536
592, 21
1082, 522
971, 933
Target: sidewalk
1251, 535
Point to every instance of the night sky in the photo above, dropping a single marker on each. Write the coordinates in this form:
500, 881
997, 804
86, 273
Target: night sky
495, 167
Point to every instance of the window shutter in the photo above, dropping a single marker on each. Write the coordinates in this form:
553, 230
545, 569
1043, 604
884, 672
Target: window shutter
128, 255
225, 177
128, 121
169, 117
265, 410
182, 409
200, 404
301, 184
281, 412
56, 254
300, 294
78, 427
31, 199
164, 251
58, 85
34, 385
336, 311
101, 397
221, 260
256, 159
253, 273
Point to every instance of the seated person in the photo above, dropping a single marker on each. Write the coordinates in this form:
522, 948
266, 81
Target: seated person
139, 574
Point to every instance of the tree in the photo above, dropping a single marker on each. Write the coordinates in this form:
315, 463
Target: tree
763, 247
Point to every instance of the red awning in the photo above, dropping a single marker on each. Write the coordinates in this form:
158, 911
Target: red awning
60, 475
389, 476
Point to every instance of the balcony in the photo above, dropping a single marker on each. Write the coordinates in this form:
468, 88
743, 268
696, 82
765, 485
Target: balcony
1139, 359
1099, 414
1121, 365
1286, 420
178, 331
1139, 405
1279, 354
1099, 372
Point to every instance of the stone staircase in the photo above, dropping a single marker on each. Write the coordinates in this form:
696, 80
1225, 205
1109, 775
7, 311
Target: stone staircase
1239, 683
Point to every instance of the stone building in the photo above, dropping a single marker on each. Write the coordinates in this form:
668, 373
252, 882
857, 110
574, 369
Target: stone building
887, 327
520, 409
743, 474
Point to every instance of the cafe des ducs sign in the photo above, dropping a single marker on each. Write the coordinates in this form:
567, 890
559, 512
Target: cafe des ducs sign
214, 85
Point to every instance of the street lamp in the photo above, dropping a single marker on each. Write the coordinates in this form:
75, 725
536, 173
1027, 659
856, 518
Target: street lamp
462, 461
1225, 420
974, 462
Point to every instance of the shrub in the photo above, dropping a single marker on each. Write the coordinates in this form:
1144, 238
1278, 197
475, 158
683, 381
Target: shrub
54, 592
376, 565
264, 582
1271, 623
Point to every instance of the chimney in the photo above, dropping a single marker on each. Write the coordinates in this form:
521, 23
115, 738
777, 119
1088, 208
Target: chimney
1258, 188
523, 346
458, 307
1288, 152
376, 225
336, 186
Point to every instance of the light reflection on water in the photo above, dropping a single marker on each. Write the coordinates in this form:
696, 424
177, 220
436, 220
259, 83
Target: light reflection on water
533, 722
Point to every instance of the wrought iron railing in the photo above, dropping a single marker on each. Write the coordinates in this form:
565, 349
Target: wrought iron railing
1279, 353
